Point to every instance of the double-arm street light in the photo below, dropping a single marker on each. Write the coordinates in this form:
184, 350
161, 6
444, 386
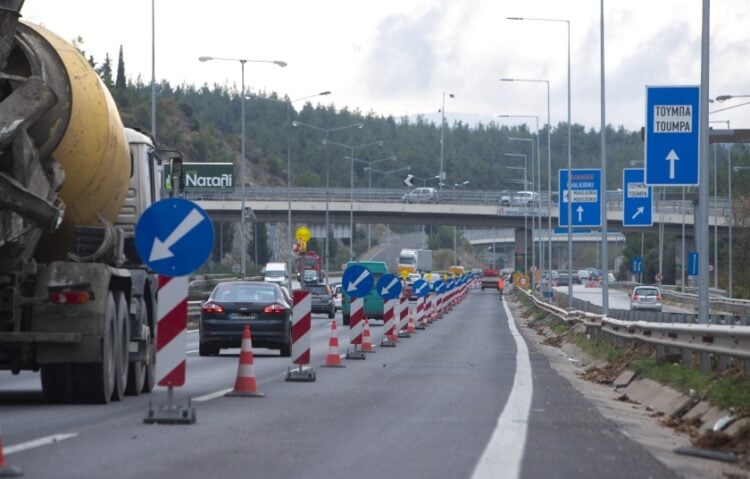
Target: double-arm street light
549, 170
570, 155
525, 212
288, 103
369, 186
351, 186
441, 174
327, 132
242, 62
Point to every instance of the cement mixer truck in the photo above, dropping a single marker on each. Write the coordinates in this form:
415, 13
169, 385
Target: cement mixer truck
76, 303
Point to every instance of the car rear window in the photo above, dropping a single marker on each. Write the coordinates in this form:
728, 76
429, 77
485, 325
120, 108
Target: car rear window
244, 293
317, 289
647, 291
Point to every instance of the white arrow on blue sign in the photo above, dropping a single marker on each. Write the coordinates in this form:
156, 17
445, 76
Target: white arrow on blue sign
638, 199
389, 286
439, 286
636, 265
357, 281
420, 288
672, 135
174, 237
586, 197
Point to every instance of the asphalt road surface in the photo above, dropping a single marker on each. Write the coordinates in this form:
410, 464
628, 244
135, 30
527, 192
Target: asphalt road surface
466, 398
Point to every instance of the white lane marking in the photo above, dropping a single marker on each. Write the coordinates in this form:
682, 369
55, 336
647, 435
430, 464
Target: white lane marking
503, 455
214, 395
42, 441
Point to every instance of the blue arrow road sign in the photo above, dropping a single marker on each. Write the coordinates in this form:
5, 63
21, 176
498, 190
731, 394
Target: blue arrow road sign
389, 286
672, 134
692, 263
174, 237
638, 199
420, 288
636, 265
586, 206
439, 286
357, 281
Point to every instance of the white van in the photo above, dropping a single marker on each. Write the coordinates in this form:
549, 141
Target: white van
277, 273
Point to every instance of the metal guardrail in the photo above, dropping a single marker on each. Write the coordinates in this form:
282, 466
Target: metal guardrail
715, 344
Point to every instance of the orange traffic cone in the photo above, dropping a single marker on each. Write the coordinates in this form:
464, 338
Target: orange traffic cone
333, 360
410, 328
366, 339
245, 385
6, 470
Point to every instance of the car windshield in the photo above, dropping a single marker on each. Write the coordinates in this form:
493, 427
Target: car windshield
244, 293
275, 274
646, 291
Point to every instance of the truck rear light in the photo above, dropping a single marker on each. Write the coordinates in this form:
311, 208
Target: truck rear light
211, 308
274, 308
69, 297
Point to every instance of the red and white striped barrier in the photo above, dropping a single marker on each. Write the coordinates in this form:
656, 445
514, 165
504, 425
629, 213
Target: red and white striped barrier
171, 331
389, 324
429, 305
403, 314
420, 313
356, 327
301, 324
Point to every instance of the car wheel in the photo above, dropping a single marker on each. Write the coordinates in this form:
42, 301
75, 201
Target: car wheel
286, 348
207, 350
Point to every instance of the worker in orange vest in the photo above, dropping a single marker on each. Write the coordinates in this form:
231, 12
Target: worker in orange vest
500, 285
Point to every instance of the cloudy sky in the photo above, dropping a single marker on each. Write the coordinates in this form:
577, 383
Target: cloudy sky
398, 57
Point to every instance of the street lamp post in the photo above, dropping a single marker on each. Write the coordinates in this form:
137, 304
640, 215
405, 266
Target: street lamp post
288, 103
369, 186
570, 156
242, 61
351, 187
327, 132
531, 144
455, 242
549, 171
441, 173
525, 212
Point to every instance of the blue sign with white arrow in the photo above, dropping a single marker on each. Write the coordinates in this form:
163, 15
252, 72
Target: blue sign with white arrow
585, 197
420, 288
357, 281
636, 265
174, 237
638, 199
692, 263
389, 286
439, 286
672, 135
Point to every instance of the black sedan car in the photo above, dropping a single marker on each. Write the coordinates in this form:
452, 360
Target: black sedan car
232, 305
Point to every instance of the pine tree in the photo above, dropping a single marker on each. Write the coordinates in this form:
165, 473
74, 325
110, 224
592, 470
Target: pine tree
120, 81
105, 71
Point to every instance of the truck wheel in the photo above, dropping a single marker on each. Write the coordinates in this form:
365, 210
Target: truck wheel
122, 342
97, 380
57, 383
137, 369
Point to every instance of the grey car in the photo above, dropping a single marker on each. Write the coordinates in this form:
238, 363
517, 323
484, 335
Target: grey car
421, 195
322, 299
645, 298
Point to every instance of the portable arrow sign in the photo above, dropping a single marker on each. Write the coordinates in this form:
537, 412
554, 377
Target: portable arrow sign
421, 288
638, 198
389, 286
440, 286
188, 237
357, 281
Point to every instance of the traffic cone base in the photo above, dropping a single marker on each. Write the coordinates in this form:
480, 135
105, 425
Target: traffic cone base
366, 345
5, 469
245, 385
333, 360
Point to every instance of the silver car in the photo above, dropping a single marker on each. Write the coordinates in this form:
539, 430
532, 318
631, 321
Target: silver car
645, 298
421, 195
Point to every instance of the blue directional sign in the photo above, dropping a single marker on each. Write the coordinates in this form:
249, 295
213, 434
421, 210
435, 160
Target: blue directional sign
389, 286
439, 286
638, 199
420, 288
585, 197
672, 135
636, 265
692, 269
174, 237
357, 281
